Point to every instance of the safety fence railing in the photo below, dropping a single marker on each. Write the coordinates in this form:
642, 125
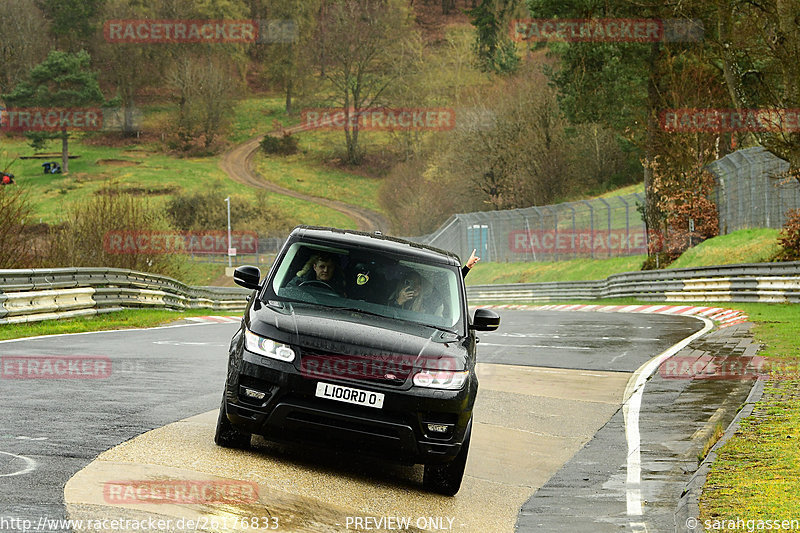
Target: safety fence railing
760, 282
29, 295
42, 294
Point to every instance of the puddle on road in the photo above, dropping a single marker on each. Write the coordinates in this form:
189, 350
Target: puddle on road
306, 491
302, 488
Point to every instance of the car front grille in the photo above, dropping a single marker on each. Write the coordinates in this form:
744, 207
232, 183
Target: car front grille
384, 370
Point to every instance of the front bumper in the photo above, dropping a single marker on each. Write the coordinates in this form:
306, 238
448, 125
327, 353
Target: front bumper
399, 430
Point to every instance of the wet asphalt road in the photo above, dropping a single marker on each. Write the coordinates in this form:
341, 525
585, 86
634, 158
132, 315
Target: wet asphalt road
163, 375
158, 376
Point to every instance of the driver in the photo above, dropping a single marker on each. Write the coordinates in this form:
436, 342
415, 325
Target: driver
320, 267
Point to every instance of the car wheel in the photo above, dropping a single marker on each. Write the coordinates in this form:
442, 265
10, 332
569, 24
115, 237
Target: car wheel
226, 435
446, 478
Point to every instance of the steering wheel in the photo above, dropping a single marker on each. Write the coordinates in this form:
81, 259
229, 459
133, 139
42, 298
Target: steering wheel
318, 284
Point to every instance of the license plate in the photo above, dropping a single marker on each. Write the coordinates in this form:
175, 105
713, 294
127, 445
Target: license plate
349, 395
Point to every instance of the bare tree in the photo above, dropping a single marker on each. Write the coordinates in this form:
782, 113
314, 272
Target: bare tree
15, 211
288, 53
205, 94
362, 51
24, 42
123, 64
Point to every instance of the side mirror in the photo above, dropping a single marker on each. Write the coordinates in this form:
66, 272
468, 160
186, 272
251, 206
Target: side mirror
485, 320
247, 276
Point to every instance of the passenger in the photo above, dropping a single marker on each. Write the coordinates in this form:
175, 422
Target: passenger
408, 294
470, 263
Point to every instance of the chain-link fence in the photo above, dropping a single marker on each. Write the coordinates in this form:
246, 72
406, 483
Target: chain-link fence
264, 254
753, 190
598, 228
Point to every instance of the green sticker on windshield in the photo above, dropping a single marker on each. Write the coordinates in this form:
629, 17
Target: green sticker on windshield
361, 279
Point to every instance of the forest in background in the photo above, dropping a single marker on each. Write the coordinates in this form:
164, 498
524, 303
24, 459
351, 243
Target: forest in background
541, 121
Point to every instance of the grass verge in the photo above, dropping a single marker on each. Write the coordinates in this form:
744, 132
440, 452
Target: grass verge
755, 476
743, 246
572, 270
127, 319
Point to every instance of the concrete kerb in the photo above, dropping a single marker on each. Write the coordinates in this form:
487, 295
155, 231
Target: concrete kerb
688, 510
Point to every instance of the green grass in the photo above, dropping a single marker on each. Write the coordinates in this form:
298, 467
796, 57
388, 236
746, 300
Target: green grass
198, 273
630, 189
254, 116
298, 173
572, 270
141, 171
307, 171
755, 475
743, 246
129, 318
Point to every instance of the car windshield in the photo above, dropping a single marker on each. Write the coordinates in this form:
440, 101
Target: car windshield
369, 281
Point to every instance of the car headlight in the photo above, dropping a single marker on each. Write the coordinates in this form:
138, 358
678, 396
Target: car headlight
440, 379
268, 347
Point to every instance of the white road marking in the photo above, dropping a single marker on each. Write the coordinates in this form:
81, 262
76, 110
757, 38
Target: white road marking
21, 339
536, 346
30, 465
631, 408
187, 343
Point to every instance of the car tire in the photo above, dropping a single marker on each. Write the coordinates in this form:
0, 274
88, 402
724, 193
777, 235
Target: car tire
446, 478
228, 436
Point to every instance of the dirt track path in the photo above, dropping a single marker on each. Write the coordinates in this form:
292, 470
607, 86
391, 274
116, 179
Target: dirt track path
237, 163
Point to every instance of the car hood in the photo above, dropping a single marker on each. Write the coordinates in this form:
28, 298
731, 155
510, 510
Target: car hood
320, 331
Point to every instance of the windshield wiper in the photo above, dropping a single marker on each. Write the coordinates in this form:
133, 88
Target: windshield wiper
357, 310
440, 328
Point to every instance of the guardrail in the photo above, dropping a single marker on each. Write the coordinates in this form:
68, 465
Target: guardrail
30, 295
758, 282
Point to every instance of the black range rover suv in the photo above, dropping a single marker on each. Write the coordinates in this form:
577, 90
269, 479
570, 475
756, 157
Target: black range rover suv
357, 338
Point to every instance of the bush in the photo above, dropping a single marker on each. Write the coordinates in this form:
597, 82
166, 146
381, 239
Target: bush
284, 145
185, 143
81, 241
208, 210
789, 238
15, 246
